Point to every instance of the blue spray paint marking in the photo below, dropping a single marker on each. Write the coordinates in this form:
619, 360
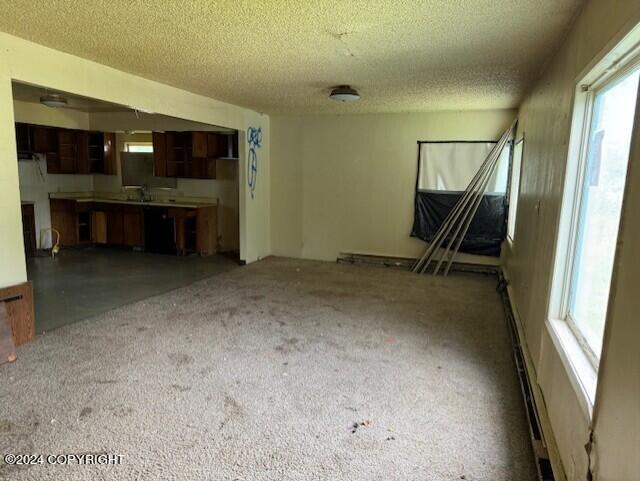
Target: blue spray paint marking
254, 138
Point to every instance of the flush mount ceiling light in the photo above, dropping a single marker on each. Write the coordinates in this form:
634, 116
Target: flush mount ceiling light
53, 100
344, 93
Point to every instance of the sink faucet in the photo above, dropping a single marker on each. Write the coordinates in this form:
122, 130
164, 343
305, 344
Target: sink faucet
143, 193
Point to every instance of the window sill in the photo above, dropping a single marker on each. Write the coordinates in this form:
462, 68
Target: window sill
581, 373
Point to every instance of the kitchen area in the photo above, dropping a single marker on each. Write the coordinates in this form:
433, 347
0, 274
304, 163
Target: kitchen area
119, 204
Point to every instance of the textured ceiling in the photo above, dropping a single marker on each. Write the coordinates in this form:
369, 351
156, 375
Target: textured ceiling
283, 56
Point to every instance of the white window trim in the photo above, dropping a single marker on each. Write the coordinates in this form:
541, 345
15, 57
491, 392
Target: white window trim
578, 358
127, 144
513, 200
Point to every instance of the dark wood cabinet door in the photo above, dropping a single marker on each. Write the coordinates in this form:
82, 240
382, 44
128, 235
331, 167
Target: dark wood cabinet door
159, 154
207, 230
29, 229
133, 220
216, 145
23, 137
198, 168
67, 151
44, 140
110, 161
115, 226
82, 147
199, 144
64, 219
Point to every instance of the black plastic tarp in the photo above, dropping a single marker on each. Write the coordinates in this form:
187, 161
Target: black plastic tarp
487, 230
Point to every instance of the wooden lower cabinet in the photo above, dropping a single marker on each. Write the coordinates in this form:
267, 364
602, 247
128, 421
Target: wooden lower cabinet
133, 220
98, 227
29, 229
115, 226
194, 229
64, 219
207, 230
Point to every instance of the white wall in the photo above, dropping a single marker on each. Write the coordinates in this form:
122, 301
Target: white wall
545, 118
346, 183
32, 63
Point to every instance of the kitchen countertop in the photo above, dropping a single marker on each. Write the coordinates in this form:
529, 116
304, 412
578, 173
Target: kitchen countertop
117, 198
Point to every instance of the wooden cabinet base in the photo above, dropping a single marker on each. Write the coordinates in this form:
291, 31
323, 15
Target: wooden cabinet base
18, 301
207, 230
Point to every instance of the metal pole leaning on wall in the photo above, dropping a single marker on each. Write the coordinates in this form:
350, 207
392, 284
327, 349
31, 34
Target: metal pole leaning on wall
474, 191
451, 217
477, 194
468, 222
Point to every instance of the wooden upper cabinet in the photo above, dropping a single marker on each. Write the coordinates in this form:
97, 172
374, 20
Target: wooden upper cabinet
24, 137
67, 151
110, 162
159, 154
191, 154
217, 145
199, 144
45, 140
82, 156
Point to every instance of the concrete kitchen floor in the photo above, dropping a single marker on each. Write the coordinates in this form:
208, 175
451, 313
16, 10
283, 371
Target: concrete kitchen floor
82, 283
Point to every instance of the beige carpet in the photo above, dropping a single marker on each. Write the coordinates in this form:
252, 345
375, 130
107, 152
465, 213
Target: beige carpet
282, 370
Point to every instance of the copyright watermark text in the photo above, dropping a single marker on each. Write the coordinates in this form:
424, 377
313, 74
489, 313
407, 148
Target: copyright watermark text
63, 459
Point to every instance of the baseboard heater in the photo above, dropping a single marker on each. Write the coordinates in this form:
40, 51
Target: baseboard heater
540, 452
405, 263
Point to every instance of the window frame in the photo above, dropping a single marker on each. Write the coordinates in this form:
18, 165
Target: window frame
578, 198
513, 193
138, 143
581, 362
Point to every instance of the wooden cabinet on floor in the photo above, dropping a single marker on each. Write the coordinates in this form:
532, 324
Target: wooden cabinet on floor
29, 229
185, 229
133, 219
115, 223
195, 230
98, 227
64, 218
207, 230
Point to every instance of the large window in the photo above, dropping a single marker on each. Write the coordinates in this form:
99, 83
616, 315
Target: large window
599, 205
603, 124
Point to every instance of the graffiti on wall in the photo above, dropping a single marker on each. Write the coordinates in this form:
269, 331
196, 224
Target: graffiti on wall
254, 139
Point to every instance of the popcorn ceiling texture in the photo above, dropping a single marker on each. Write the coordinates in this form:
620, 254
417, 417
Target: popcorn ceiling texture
283, 56
260, 374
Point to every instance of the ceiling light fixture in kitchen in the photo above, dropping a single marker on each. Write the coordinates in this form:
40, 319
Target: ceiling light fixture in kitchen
53, 100
344, 93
